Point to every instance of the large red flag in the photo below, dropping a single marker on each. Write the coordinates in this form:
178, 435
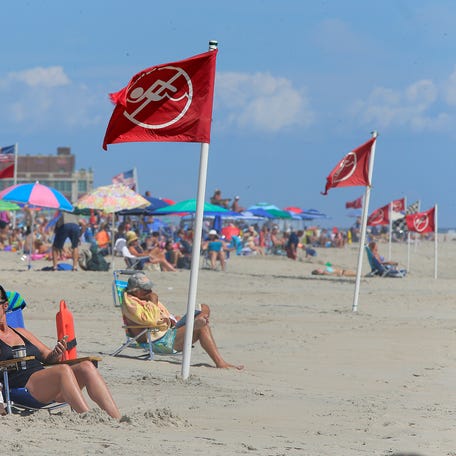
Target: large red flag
398, 205
356, 204
168, 102
7, 172
353, 169
379, 216
421, 222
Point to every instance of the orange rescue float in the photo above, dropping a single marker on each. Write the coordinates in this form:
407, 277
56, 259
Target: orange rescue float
65, 327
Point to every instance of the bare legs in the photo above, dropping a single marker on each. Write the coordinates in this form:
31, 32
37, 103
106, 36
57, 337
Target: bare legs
203, 333
64, 383
214, 256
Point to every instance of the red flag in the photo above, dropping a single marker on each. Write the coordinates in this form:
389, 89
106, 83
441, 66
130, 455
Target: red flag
379, 216
421, 222
168, 102
398, 205
7, 172
353, 169
356, 204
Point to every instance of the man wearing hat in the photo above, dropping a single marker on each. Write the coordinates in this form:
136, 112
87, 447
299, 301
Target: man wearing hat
141, 306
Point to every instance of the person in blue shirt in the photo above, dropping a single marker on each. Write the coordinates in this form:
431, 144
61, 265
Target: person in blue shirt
216, 250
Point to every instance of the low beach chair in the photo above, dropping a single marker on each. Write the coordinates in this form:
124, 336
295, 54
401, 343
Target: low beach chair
381, 270
20, 398
134, 341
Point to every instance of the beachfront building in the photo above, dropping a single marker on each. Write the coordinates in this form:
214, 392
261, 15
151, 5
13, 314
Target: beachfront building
56, 171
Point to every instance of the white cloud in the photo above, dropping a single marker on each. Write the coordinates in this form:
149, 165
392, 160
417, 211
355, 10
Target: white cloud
261, 101
46, 98
41, 77
412, 107
450, 89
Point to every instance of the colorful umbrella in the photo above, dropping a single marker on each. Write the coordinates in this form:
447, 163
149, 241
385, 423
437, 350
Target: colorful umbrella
186, 206
154, 204
271, 209
36, 195
112, 198
7, 206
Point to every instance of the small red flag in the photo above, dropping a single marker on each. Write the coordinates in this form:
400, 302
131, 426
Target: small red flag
379, 216
398, 205
421, 222
356, 204
352, 170
7, 172
168, 102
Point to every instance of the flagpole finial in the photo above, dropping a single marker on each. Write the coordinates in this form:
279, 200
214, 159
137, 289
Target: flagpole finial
374, 133
213, 44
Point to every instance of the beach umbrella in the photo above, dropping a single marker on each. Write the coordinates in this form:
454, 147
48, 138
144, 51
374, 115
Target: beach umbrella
8, 206
274, 211
189, 206
293, 209
36, 194
155, 203
111, 199
314, 213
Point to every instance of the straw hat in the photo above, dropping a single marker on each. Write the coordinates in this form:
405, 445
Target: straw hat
131, 236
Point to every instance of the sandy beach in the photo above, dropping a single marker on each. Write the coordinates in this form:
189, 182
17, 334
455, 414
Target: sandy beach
318, 379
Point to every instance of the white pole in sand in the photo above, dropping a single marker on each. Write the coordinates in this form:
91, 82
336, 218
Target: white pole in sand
364, 226
436, 241
197, 233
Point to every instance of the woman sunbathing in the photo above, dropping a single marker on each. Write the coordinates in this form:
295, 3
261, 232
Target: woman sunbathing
59, 383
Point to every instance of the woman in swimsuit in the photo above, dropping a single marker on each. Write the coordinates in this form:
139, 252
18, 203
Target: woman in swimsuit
59, 383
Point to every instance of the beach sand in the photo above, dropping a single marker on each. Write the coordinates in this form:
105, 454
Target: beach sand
319, 379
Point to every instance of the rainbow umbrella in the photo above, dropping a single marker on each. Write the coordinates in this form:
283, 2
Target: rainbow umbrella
112, 198
37, 195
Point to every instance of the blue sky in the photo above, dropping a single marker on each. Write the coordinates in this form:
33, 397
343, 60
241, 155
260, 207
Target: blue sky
298, 85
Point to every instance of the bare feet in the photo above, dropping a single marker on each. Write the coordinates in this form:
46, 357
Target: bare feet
229, 366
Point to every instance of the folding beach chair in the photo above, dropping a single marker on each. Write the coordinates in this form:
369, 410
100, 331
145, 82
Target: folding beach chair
381, 270
20, 398
134, 262
151, 347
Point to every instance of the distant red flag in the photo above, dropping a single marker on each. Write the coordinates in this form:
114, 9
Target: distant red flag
168, 102
379, 216
7, 172
398, 205
421, 222
356, 204
353, 169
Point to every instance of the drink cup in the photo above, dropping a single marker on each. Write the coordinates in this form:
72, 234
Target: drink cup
19, 351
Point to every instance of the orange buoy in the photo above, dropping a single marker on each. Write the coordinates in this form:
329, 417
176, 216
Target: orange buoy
65, 327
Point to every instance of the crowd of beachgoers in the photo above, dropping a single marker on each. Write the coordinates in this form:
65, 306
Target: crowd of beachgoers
32, 234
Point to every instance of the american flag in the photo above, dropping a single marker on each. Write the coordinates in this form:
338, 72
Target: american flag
7, 154
127, 178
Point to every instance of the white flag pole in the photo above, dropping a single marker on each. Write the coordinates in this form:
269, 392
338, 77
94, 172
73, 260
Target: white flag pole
390, 215
194, 271
364, 226
135, 178
408, 251
16, 150
436, 242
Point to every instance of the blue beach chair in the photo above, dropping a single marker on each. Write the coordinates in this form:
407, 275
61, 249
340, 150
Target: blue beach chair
382, 270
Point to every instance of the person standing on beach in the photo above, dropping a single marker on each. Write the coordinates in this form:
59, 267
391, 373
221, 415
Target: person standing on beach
66, 227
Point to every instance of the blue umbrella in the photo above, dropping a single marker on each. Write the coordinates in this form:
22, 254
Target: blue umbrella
155, 203
314, 213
